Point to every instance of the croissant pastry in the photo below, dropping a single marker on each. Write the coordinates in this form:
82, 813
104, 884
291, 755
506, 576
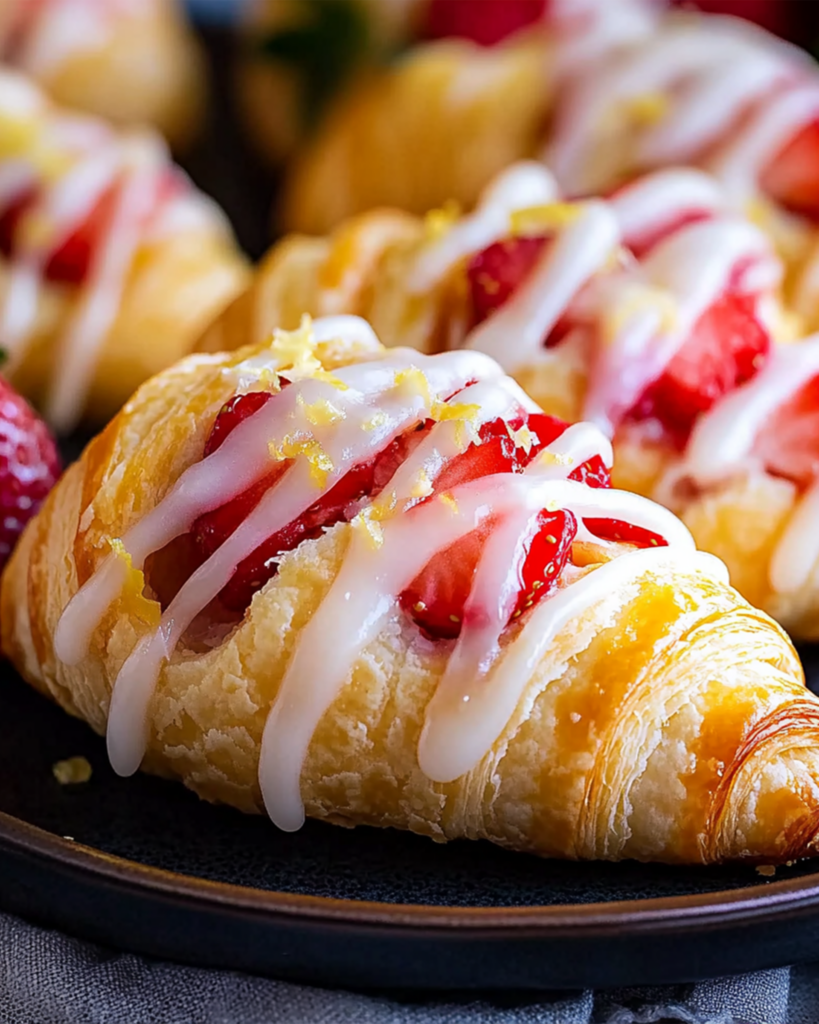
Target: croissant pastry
625, 87
130, 61
111, 263
376, 587
652, 314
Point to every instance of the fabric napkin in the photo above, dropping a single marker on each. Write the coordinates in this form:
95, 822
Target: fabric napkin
49, 978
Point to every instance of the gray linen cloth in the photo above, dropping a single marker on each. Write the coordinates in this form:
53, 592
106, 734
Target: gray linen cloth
49, 978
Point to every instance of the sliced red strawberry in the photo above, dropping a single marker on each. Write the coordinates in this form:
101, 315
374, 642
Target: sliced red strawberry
616, 529
495, 274
212, 529
485, 22
29, 466
436, 598
70, 262
789, 443
640, 245
548, 429
726, 348
792, 177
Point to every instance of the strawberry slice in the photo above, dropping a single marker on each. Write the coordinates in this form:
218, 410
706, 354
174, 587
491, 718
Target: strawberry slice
212, 529
70, 262
486, 22
628, 533
436, 598
641, 245
792, 176
726, 348
788, 445
495, 274
548, 429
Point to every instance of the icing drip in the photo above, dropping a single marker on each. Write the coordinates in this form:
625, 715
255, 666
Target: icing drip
524, 184
374, 402
722, 446
698, 81
67, 166
514, 335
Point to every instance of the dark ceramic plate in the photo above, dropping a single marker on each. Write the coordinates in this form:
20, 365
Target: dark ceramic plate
150, 868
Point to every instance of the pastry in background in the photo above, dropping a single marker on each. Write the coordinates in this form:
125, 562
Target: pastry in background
111, 262
602, 90
655, 313
130, 61
316, 577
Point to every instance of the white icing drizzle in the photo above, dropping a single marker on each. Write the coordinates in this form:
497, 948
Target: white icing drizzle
46, 33
515, 333
723, 81
721, 446
72, 162
641, 313
524, 184
373, 407
692, 267
722, 440
662, 198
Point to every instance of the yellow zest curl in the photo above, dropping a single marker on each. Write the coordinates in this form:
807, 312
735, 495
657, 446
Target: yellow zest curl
133, 600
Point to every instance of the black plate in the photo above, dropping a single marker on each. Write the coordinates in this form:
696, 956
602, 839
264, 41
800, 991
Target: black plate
150, 868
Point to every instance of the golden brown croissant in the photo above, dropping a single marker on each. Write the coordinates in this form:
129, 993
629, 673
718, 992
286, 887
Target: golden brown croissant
658, 308
133, 63
629, 704
624, 88
111, 262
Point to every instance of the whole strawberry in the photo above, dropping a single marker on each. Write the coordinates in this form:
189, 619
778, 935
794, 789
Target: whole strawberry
29, 466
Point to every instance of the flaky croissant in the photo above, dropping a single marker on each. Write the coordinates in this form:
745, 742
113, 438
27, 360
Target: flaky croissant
646, 313
630, 705
623, 88
132, 63
111, 262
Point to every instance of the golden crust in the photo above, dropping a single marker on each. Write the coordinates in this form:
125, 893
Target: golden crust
149, 69
437, 126
620, 746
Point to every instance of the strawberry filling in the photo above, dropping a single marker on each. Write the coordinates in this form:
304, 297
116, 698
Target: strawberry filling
495, 274
435, 600
70, 261
792, 177
486, 23
727, 345
726, 348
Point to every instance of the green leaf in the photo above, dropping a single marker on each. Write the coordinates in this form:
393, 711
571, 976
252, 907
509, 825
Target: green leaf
324, 49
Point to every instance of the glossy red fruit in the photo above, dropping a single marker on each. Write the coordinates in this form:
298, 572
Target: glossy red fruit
641, 245
71, 261
212, 529
549, 428
726, 348
486, 22
495, 274
788, 445
792, 177
436, 598
29, 466
616, 529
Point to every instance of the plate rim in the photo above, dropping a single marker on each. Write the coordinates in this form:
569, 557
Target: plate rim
690, 911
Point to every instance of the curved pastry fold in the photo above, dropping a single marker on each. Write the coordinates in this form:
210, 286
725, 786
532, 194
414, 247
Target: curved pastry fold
640, 709
111, 262
130, 63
